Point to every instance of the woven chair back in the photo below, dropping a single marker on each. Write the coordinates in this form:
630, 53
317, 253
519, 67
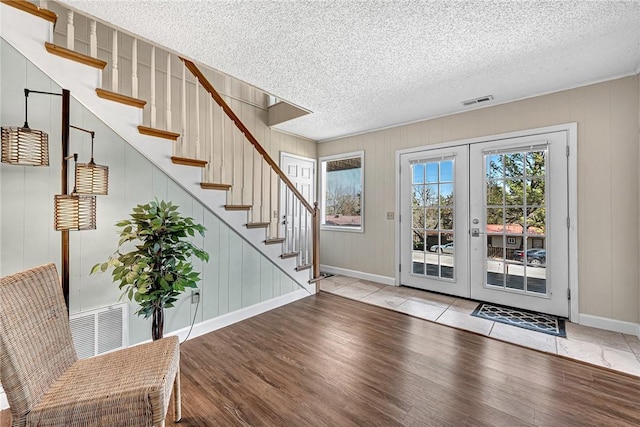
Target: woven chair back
35, 337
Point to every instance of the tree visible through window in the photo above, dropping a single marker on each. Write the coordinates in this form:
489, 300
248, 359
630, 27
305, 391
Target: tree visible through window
342, 185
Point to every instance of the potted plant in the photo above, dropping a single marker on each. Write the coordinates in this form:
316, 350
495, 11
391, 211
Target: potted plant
157, 269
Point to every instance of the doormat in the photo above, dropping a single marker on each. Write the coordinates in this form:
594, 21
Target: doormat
531, 320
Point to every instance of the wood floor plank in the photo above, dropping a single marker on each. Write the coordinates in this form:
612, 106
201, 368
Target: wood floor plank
330, 361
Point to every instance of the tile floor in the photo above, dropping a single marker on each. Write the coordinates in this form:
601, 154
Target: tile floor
604, 348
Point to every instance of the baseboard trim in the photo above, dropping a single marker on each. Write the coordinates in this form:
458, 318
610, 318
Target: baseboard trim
610, 324
239, 315
385, 280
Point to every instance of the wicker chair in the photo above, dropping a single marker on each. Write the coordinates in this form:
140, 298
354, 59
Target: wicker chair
47, 385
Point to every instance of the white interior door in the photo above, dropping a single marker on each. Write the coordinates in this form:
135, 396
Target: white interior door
296, 221
434, 220
519, 223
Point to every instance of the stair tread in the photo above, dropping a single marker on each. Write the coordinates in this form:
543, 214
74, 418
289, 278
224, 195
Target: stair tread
274, 241
258, 224
31, 8
304, 267
289, 255
145, 130
214, 186
185, 161
75, 56
122, 99
237, 207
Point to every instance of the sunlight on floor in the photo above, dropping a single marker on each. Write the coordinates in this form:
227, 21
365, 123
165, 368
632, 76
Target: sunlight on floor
603, 348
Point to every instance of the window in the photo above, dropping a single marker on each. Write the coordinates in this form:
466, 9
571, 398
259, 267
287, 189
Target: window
341, 187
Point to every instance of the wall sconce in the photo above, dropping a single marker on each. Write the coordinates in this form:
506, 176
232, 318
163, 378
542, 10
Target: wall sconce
91, 178
25, 146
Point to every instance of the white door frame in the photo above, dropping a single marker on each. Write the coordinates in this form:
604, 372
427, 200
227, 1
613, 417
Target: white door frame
571, 130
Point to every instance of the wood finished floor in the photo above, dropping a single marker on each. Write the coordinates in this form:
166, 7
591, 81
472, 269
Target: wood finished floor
330, 361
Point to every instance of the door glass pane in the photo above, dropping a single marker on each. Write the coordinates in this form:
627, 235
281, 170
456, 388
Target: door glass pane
515, 221
417, 254
514, 192
431, 195
495, 191
535, 192
446, 194
433, 218
418, 174
494, 167
432, 171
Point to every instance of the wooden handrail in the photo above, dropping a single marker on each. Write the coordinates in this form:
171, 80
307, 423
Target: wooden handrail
229, 112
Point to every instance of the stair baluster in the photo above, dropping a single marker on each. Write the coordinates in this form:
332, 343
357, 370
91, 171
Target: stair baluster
70, 31
134, 68
93, 39
167, 95
152, 81
114, 61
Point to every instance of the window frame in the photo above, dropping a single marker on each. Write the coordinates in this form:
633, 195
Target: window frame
322, 161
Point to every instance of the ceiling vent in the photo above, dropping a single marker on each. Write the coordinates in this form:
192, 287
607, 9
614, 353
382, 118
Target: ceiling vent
477, 100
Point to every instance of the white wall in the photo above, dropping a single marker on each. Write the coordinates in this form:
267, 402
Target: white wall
236, 277
607, 115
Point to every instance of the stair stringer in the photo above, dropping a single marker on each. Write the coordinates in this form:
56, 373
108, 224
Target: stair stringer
27, 34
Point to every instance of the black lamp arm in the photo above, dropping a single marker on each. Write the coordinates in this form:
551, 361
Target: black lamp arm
93, 134
26, 99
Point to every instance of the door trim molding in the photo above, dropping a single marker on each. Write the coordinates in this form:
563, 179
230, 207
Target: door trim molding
571, 130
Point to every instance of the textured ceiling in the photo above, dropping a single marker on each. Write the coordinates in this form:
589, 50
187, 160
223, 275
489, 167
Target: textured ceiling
364, 65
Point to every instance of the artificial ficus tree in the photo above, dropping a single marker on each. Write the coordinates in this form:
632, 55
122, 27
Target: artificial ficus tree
152, 264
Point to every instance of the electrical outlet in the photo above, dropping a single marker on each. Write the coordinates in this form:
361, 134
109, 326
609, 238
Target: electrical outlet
390, 215
195, 297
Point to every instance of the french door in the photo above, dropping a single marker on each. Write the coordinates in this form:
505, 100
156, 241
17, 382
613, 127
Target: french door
495, 227
434, 217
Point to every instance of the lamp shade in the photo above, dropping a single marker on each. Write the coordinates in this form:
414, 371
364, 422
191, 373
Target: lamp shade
24, 146
91, 179
74, 212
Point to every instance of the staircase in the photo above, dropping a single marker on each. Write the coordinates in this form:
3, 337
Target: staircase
167, 108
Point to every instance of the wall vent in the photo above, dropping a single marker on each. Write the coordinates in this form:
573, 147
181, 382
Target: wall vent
101, 330
477, 100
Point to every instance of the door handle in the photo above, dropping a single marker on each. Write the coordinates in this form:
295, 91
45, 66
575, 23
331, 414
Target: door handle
475, 232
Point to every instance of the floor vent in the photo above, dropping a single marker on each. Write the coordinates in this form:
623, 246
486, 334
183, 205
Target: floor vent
100, 331
477, 100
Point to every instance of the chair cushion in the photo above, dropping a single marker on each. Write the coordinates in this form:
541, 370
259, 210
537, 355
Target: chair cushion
129, 387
